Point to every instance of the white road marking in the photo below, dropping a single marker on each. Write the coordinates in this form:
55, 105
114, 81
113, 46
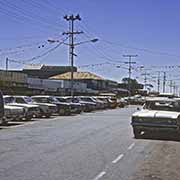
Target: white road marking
118, 158
131, 146
100, 175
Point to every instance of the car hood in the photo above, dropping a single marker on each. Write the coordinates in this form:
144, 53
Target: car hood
85, 102
45, 104
23, 105
63, 103
75, 104
156, 114
12, 107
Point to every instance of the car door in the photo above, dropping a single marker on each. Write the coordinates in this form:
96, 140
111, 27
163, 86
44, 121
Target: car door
1, 105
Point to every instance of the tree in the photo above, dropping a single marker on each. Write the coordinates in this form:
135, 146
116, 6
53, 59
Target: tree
131, 84
131, 81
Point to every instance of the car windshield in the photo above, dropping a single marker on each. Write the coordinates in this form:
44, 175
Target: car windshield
8, 100
43, 100
162, 106
87, 99
61, 99
20, 100
74, 100
28, 99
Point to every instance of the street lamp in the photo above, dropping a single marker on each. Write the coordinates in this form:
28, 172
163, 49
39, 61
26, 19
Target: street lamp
51, 41
75, 44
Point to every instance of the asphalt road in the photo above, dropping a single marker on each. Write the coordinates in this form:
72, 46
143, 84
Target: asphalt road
90, 146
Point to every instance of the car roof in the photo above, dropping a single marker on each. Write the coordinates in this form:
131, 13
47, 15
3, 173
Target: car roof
40, 96
160, 99
20, 96
5, 96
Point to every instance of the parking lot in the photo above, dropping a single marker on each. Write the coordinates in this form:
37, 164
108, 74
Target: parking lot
20, 110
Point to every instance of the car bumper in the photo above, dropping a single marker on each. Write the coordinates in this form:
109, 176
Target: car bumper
14, 116
155, 127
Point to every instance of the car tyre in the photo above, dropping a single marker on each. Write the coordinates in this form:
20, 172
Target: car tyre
28, 118
61, 112
4, 122
137, 133
48, 115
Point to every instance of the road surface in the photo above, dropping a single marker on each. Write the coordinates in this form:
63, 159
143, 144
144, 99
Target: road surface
90, 146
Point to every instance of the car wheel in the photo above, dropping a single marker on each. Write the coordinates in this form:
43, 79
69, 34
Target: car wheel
4, 122
61, 112
28, 118
48, 115
137, 133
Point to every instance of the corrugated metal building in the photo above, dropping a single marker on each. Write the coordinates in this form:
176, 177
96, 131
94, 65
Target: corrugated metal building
13, 77
55, 85
93, 81
45, 71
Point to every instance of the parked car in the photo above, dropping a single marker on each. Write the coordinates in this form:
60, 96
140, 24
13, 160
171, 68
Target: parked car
62, 108
112, 102
99, 105
88, 106
2, 118
136, 100
30, 109
121, 102
124, 101
13, 113
104, 100
75, 106
157, 115
45, 109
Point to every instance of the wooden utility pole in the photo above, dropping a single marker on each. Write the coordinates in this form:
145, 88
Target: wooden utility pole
130, 63
71, 19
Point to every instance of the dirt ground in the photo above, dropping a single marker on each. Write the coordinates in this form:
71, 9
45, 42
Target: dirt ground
162, 164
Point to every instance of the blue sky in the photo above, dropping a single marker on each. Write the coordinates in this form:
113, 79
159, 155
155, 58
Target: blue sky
131, 26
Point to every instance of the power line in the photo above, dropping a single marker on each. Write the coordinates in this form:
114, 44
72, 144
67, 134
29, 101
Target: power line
143, 49
130, 63
21, 13
28, 14
135, 48
38, 56
164, 82
39, 6
100, 53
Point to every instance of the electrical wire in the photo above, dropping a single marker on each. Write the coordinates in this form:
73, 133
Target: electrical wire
12, 9
39, 56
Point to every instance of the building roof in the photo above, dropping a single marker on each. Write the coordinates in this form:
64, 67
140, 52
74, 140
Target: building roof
33, 66
77, 76
47, 67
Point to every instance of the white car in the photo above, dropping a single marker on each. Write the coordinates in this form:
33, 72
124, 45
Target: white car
157, 115
13, 113
46, 109
30, 110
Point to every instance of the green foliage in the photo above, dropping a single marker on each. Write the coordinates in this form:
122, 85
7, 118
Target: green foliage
131, 81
